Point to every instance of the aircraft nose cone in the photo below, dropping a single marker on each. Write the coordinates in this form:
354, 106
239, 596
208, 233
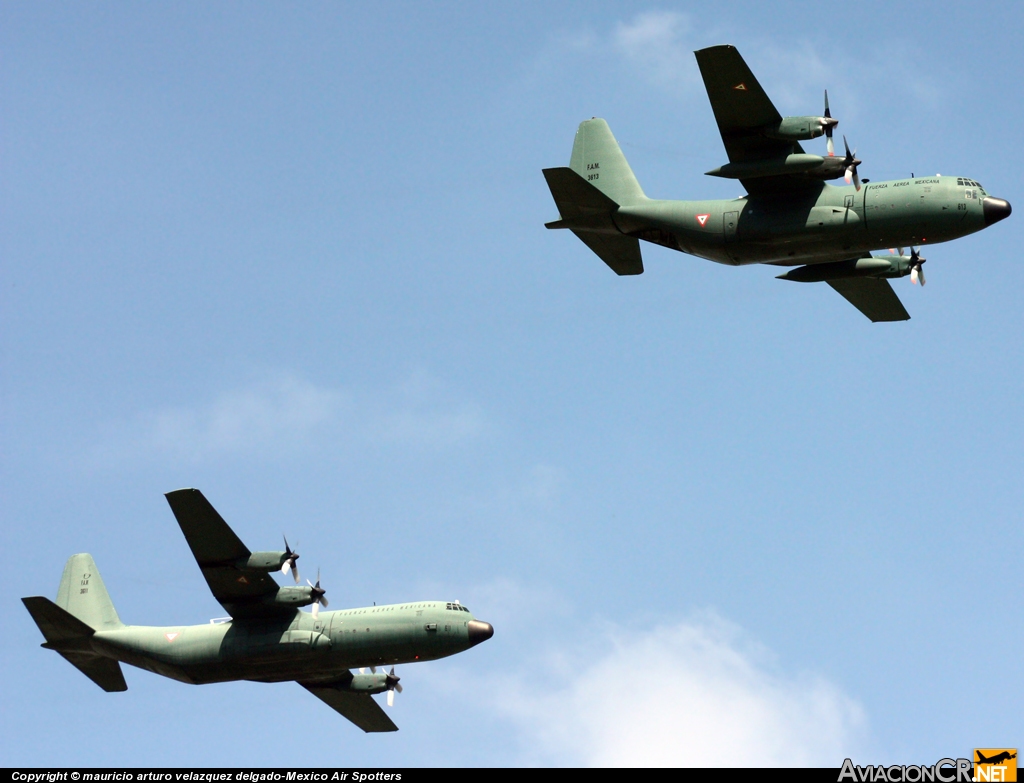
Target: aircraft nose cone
995, 209
479, 632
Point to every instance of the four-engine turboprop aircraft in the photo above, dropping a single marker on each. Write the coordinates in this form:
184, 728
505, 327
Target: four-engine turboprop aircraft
266, 639
790, 216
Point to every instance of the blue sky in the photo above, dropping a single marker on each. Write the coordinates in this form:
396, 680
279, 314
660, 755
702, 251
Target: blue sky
294, 255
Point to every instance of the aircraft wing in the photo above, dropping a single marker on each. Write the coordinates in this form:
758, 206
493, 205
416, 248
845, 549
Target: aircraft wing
219, 553
743, 109
872, 296
360, 708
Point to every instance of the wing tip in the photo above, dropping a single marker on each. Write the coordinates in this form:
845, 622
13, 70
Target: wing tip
182, 491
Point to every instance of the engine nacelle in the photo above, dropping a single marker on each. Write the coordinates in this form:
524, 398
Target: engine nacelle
798, 128
879, 266
264, 561
291, 596
796, 163
364, 683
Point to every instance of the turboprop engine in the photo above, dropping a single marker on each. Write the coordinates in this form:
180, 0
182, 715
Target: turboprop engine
878, 266
372, 683
800, 128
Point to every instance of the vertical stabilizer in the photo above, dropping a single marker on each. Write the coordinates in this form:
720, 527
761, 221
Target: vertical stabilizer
83, 594
597, 158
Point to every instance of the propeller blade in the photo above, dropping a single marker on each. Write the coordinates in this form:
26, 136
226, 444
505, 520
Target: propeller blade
373, 669
289, 564
916, 272
362, 671
851, 162
391, 683
828, 129
318, 594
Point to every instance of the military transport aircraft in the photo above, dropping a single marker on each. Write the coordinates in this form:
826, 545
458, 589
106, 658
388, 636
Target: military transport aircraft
790, 216
266, 638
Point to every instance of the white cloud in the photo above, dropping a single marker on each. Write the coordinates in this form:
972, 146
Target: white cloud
420, 411
287, 408
277, 415
658, 47
655, 43
692, 694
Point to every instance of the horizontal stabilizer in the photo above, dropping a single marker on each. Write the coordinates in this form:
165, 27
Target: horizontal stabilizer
589, 214
57, 625
105, 672
620, 252
70, 637
574, 195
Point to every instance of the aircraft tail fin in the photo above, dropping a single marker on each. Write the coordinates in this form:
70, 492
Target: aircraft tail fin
597, 158
72, 638
83, 595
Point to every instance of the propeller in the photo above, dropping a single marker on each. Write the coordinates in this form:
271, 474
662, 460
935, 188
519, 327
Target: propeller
289, 561
318, 593
851, 164
391, 684
828, 123
916, 272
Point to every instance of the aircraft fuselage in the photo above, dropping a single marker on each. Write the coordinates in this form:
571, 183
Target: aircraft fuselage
296, 647
834, 223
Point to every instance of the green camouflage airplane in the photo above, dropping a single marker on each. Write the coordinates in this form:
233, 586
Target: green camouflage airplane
266, 638
790, 215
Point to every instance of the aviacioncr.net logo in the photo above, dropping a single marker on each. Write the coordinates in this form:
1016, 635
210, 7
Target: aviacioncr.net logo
942, 771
